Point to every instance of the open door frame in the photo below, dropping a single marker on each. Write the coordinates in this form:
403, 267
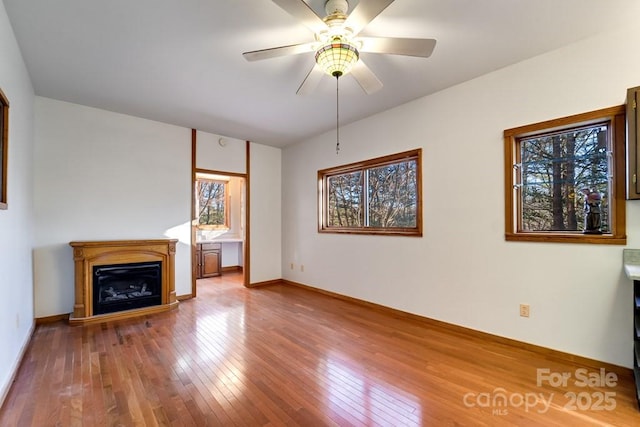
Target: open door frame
246, 269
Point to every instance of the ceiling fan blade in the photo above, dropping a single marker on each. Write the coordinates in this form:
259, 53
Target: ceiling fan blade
364, 13
398, 46
274, 52
365, 78
310, 82
302, 12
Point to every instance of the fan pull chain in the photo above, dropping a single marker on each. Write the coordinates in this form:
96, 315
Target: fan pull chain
337, 115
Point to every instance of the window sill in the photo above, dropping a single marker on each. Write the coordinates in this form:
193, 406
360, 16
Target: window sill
212, 228
372, 231
601, 239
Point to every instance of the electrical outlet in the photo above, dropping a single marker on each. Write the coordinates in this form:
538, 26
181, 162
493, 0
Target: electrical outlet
524, 310
292, 266
301, 268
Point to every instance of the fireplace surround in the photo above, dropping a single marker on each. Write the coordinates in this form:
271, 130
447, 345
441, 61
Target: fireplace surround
118, 279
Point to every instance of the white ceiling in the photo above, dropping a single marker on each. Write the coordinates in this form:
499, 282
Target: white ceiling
180, 61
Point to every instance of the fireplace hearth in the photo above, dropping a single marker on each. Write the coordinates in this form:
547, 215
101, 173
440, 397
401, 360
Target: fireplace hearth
123, 278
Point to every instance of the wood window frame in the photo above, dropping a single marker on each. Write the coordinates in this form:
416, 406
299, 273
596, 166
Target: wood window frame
323, 174
4, 148
227, 207
616, 117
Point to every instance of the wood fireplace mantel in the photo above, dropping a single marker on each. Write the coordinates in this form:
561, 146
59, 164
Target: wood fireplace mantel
88, 254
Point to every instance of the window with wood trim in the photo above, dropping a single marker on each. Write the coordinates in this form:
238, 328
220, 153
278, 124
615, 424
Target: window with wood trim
565, 179
377, 196
212, 202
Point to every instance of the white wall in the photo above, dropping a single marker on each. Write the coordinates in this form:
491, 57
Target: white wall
228, 156
105, 176
236, 209
16, 223
462, 271
265, 211
232, 255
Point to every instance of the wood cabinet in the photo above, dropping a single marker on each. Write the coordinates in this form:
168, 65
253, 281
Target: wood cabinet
209, 260
633, 143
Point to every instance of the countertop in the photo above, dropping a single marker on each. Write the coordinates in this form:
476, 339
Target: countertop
631, 262
229, 240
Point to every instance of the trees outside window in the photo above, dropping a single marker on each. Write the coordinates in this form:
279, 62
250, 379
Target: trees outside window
377, 196
557, 170
212, 203
552, 167
345, 200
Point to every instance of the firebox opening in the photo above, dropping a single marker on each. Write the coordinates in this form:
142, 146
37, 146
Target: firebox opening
119, 287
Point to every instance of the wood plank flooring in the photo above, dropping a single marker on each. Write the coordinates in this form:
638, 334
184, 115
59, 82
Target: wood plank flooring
282, 355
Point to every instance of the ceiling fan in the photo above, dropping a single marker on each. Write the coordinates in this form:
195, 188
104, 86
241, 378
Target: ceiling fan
337, 43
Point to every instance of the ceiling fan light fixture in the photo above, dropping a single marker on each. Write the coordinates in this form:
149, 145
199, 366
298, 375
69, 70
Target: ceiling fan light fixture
336, 7
337, 57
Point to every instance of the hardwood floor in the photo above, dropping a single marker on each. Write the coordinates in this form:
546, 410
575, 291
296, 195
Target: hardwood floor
282, 355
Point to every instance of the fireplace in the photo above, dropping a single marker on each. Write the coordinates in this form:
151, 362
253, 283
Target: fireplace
123, 278
118, 287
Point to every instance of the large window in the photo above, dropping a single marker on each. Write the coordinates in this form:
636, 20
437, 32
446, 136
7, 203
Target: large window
565, 179
378, 196
212, 202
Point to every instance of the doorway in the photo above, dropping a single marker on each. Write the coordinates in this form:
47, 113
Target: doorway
219, 227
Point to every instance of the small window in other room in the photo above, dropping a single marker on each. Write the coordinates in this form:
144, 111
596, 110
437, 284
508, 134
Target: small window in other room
377, 196
564, 179
212, 202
